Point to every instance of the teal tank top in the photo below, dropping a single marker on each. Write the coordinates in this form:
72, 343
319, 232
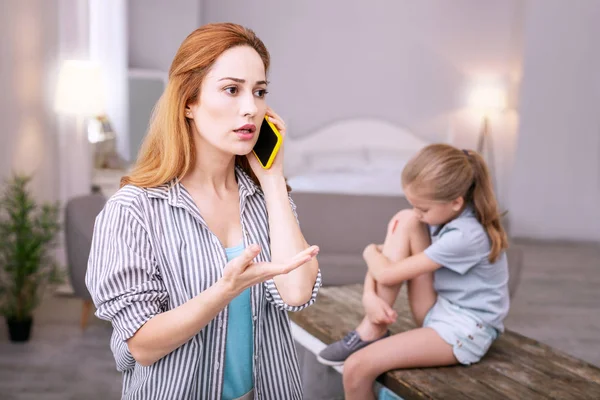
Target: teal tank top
239, 345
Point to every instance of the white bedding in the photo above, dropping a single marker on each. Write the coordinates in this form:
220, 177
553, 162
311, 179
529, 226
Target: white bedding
354, 156
355, 183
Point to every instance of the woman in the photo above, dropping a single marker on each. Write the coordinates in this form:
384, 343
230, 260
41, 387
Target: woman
199, 256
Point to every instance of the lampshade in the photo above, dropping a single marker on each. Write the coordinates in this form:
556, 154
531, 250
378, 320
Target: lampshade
487, 98
80, 89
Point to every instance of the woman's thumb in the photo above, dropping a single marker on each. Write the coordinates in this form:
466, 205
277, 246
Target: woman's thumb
249, 254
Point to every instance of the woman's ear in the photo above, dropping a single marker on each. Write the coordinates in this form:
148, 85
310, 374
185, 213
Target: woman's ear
188, 113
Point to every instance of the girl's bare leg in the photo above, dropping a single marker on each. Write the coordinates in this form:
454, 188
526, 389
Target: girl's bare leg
417, 348
407, 236
421, 347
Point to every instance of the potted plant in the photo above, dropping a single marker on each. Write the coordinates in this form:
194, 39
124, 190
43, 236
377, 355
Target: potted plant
28, 232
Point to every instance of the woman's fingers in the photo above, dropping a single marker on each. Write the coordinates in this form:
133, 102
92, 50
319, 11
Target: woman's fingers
242, 261
269, 270
276, 120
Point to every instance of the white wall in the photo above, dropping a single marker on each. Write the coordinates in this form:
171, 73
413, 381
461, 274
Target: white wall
556, 185
156, 28
28, 68
404, 61
411, 63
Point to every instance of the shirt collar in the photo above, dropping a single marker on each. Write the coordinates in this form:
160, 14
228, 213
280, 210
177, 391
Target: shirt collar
467, 212
172, 191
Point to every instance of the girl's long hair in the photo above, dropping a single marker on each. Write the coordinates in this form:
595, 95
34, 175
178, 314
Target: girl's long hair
441, 172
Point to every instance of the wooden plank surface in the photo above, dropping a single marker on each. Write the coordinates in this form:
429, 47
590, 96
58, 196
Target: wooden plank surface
516, 367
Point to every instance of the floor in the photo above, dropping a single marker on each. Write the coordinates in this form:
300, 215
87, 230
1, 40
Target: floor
558, 299
557, 302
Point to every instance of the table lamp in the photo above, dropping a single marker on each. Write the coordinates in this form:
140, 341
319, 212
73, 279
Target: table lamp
486, 99
80, 93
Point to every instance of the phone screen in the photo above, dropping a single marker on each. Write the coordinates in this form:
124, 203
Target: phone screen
267, 140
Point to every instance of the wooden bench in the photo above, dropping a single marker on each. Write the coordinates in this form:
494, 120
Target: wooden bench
516, 367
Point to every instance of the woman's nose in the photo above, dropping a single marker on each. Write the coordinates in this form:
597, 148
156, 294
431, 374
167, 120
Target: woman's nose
248, 106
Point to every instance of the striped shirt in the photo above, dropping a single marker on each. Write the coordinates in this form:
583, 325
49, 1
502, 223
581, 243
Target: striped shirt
152, 252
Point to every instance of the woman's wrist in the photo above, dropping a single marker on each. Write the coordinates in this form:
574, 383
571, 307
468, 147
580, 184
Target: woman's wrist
273, 184
226, 289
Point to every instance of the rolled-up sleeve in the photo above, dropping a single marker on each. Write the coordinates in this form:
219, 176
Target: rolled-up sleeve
272, 293
274, 297
123, 276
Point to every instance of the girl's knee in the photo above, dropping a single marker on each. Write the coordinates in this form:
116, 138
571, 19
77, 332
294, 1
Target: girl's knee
405, 220
356, 372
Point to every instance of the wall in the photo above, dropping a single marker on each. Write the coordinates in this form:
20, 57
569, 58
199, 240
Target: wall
156, 28
411, 63
556, 185
28, 70
404, 61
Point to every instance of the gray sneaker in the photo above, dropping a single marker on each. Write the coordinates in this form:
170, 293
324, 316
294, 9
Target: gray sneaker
337, 352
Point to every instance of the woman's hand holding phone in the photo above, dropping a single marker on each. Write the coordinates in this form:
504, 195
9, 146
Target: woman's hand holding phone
276, 169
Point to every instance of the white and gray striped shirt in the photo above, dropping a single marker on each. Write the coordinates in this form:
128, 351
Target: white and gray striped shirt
152, 252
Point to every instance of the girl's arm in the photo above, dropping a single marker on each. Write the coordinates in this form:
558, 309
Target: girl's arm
391, 273
369, 285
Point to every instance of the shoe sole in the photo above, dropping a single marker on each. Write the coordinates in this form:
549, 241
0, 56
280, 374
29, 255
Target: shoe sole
329, 362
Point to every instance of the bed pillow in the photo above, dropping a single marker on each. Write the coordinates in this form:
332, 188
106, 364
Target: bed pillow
387, 160
336, 161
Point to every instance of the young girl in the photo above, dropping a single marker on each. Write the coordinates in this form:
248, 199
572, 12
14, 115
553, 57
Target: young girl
450, 250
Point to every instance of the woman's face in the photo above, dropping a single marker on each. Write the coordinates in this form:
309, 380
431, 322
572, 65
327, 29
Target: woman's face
231, 104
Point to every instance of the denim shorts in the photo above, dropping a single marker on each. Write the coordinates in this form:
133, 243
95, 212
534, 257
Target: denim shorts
469, 337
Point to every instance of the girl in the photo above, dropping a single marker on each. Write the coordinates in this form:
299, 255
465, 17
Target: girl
450, 250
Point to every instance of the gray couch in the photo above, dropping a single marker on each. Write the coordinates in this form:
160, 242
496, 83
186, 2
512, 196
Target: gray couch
80, 216
342, 225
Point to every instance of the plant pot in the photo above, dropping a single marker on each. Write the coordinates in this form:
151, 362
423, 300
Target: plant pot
19, 330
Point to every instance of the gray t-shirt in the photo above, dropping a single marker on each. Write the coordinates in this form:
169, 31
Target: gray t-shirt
466, 277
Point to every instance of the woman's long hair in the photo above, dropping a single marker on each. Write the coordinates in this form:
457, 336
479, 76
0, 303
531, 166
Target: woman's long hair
168, 151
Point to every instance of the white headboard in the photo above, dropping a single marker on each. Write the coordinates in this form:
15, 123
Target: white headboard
359, 143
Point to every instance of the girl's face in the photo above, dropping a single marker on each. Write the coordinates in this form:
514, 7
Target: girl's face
433, 212
231, 103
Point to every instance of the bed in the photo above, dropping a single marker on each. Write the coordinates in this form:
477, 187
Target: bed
346, 183
356, 156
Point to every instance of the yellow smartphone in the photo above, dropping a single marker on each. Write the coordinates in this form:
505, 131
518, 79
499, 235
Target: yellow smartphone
268, 144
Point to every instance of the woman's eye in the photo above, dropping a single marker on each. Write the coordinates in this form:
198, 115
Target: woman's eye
261, 92
231, 90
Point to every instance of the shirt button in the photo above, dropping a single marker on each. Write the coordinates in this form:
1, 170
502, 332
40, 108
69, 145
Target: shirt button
255, 318
217, 364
